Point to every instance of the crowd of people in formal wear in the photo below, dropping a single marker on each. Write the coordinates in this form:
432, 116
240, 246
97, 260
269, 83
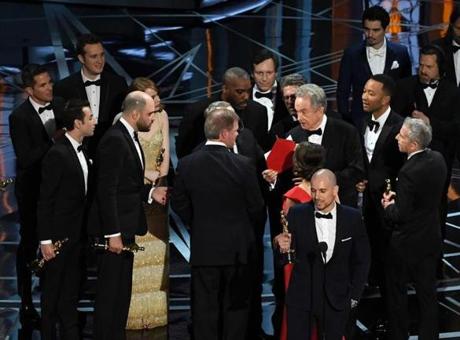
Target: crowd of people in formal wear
363, 204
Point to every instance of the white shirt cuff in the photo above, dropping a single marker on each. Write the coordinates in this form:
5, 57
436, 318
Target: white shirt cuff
46, 242
112, 235
150, 199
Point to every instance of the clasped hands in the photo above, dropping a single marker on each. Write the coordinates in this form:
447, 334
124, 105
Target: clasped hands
160, 195
388, 199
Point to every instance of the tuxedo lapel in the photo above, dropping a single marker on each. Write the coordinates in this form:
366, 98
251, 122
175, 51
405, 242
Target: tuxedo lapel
389, 58
132, 147
420, 98
36, 121
365, 62
104, 92
76, 161
386, 129
339, 230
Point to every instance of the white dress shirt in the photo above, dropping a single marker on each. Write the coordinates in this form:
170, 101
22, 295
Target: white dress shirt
429, 94
371, 137
456, 57
136, 143
326, 231
317, 139
376, 58
93, 93
47, 117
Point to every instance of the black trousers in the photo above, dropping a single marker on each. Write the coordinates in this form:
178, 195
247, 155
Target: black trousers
220, 301
423, 273
28, 245
59, 299
113, 295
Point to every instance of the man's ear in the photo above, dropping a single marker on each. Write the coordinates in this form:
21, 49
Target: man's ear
29, 91
81, 59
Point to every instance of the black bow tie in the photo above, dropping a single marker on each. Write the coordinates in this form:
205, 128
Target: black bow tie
96, 82
318, 132
455, 48
432, 85
80, 148
326, 216
268, 95
135, 136
373, 125
44, 108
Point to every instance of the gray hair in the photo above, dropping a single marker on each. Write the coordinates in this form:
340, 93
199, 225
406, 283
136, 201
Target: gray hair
134, 101
315, 93
218, 120
235, 73
220, 104
293, 79
419, 131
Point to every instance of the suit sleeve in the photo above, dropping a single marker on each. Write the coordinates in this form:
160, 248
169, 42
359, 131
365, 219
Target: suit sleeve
27, 154
181, 202
254, 200
447, 130
111, 156
344, 86
360, 258
51, 179
402, 209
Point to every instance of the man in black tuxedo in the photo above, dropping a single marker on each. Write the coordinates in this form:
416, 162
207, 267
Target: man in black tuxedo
332, 261
415, 244
117, 213
61, 215
266, 90
450, 44
341, 140
382, 161
104, 90
436, 100
374, 55
217, 195
235, 90
289, 85
32, 129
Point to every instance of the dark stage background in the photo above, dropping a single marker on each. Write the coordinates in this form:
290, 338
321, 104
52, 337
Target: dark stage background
185, 46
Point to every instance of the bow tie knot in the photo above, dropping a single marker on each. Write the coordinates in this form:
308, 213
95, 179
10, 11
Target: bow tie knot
135, 136
268, 95
96, 82
455, 48
373, 126
376, 53
45, 108
433, 85
80, 148
327, 216
318, 132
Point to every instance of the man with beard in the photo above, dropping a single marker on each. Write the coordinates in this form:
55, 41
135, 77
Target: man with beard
374, 55
117, 213
235, 90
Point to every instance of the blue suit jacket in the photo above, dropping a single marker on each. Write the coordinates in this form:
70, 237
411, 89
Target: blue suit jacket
355, 71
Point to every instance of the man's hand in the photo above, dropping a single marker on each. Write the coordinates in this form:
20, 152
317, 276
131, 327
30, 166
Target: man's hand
421, 115
270, 175
388, 199
151, 175
115, 244
361, 186
283, 242
160, 195
48, 252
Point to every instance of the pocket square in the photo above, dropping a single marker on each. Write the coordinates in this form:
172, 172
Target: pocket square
346, 239
395, 65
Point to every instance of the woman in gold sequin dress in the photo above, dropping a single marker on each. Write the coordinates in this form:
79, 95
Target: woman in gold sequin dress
149, 297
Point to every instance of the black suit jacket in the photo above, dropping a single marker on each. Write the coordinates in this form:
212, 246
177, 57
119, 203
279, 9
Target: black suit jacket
386, 159
113, 91
30, 142
279, 108
191, 128
355, 72
444, 112
449, 66
120, 190
62, 205
344, 155
346, 271
217, 195
415, 214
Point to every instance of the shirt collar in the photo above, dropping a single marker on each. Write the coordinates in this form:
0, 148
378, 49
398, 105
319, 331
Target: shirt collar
128, 127
381, 49
211, 142
409, 156
273, 89
85, 78
323, 123
74, 143
36, 105
333, 211
383, 118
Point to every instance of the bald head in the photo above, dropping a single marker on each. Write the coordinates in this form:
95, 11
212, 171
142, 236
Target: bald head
324, 190
138, 108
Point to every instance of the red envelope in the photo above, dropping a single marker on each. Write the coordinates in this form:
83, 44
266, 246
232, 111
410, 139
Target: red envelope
280, 157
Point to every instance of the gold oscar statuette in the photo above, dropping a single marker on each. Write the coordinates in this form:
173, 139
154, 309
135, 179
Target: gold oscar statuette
290, 254
37, 265
132, 248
